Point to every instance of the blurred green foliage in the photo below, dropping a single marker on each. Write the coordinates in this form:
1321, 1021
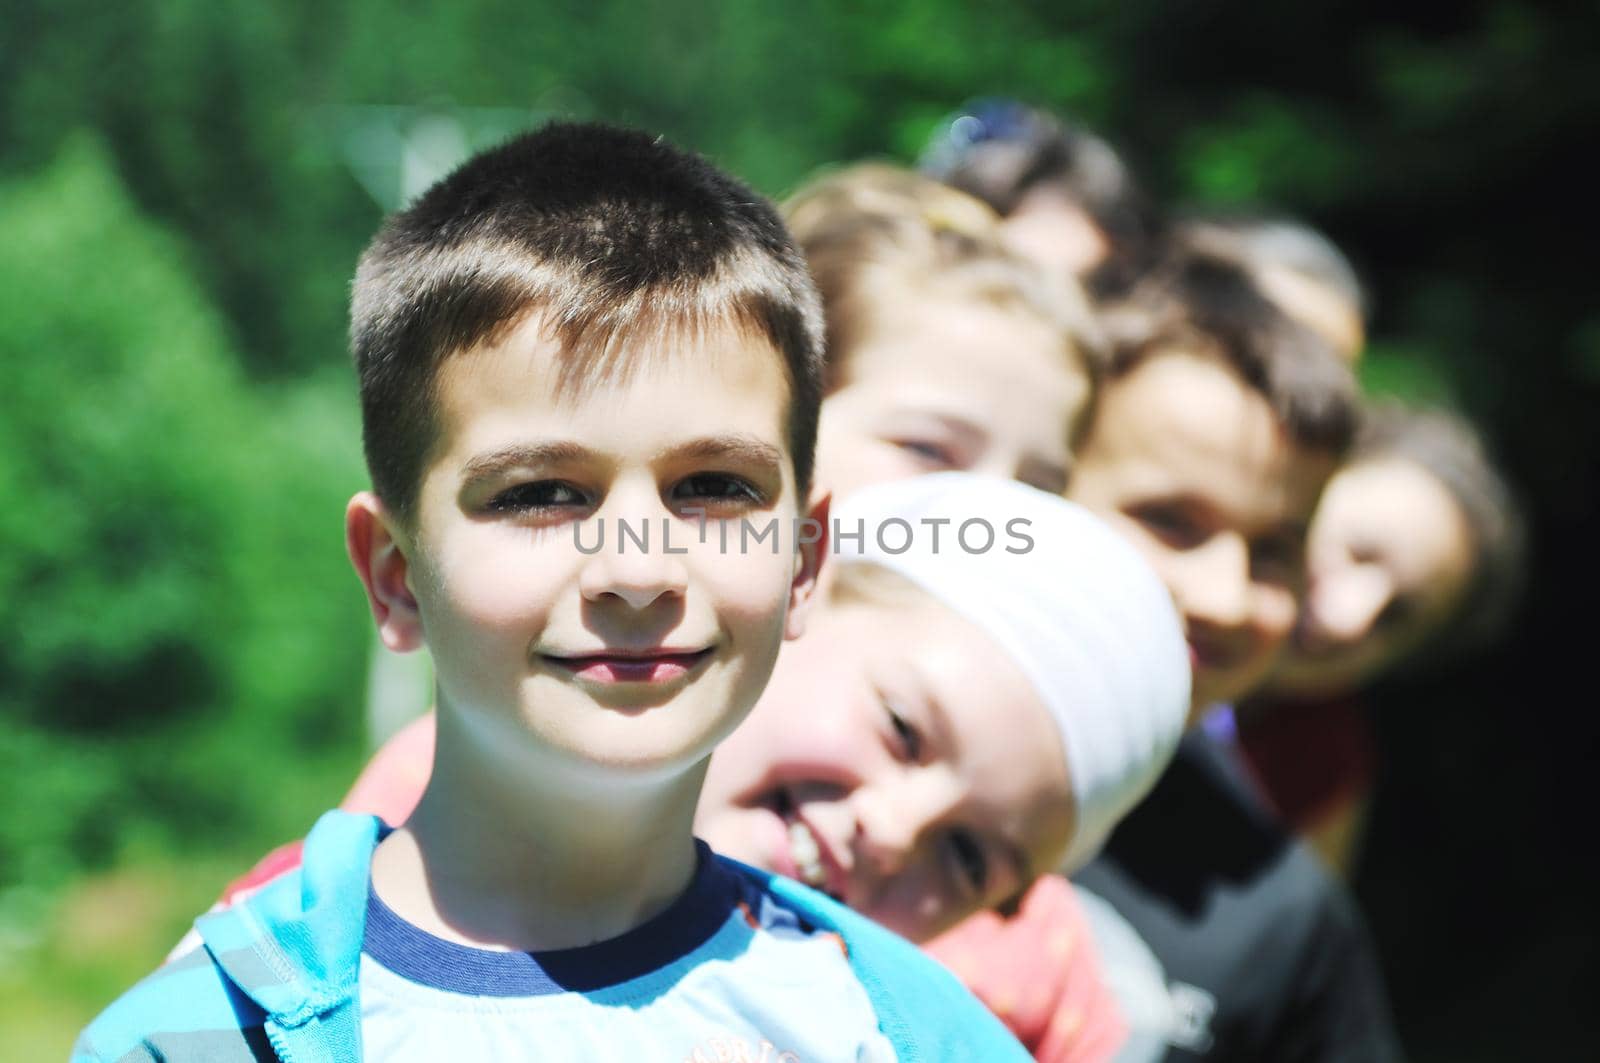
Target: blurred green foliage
180, 626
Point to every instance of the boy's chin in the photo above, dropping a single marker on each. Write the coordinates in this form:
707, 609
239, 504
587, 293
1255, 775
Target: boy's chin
604, 746
641, 765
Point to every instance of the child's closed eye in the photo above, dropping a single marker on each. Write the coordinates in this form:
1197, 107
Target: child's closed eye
907, 739
967, 858
929, 452
1172, 524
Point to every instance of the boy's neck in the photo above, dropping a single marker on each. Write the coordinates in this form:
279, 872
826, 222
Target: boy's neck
504, 854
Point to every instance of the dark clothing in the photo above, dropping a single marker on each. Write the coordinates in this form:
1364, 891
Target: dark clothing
1311, 758
1262, 949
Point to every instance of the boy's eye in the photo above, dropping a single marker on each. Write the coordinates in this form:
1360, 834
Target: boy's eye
971, 866
716, 487
538, 496
1170, 524
906, 735
928, 452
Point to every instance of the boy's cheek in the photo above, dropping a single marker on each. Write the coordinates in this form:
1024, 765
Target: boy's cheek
749, 581
489, 590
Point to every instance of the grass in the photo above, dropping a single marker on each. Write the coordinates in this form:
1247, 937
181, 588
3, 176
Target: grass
101, 935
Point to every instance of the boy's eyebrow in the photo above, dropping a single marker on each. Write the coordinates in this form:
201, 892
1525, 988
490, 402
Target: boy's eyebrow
955, 423
744, 449
523, 455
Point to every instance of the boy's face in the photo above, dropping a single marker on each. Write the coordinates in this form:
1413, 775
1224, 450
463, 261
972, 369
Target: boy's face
1049, 227
640, 660
1192, 464
943, 384
872, 769
1390, 556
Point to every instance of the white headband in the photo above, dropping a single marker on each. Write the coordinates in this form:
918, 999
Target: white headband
1071, 601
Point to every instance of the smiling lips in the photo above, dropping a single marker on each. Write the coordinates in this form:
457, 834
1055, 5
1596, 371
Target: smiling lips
806, 856
619, 666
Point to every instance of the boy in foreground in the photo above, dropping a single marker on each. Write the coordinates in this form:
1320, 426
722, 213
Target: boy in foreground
581, 327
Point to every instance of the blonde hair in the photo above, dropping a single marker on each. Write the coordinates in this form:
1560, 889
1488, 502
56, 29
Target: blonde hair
864, 583
872, 229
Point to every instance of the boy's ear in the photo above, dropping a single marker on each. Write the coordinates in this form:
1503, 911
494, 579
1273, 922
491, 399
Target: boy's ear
379, 556
811, 544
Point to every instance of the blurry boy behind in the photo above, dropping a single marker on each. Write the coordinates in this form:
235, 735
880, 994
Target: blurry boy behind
1219, 424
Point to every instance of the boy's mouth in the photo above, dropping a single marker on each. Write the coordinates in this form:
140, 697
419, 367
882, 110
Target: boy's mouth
805, 851
660, 665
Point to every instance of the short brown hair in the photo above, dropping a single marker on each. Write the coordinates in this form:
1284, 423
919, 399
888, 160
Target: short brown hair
1197, 301
1001, 150
873, 225
607, 233
1256, 239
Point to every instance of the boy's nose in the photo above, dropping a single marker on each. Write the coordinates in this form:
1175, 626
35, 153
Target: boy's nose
1216, 587
1345, 607
638, 579
884, 847
633, 564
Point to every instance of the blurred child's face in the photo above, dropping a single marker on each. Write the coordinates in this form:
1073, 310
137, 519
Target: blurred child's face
639, 660
873, 768
953, 384
1390, 555
1048, 227
1193, 465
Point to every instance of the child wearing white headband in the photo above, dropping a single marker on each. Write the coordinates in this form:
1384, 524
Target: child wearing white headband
994, 679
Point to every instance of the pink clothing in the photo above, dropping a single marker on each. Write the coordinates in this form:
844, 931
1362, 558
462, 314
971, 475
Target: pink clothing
392, 782
1312, 759
1039, 973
